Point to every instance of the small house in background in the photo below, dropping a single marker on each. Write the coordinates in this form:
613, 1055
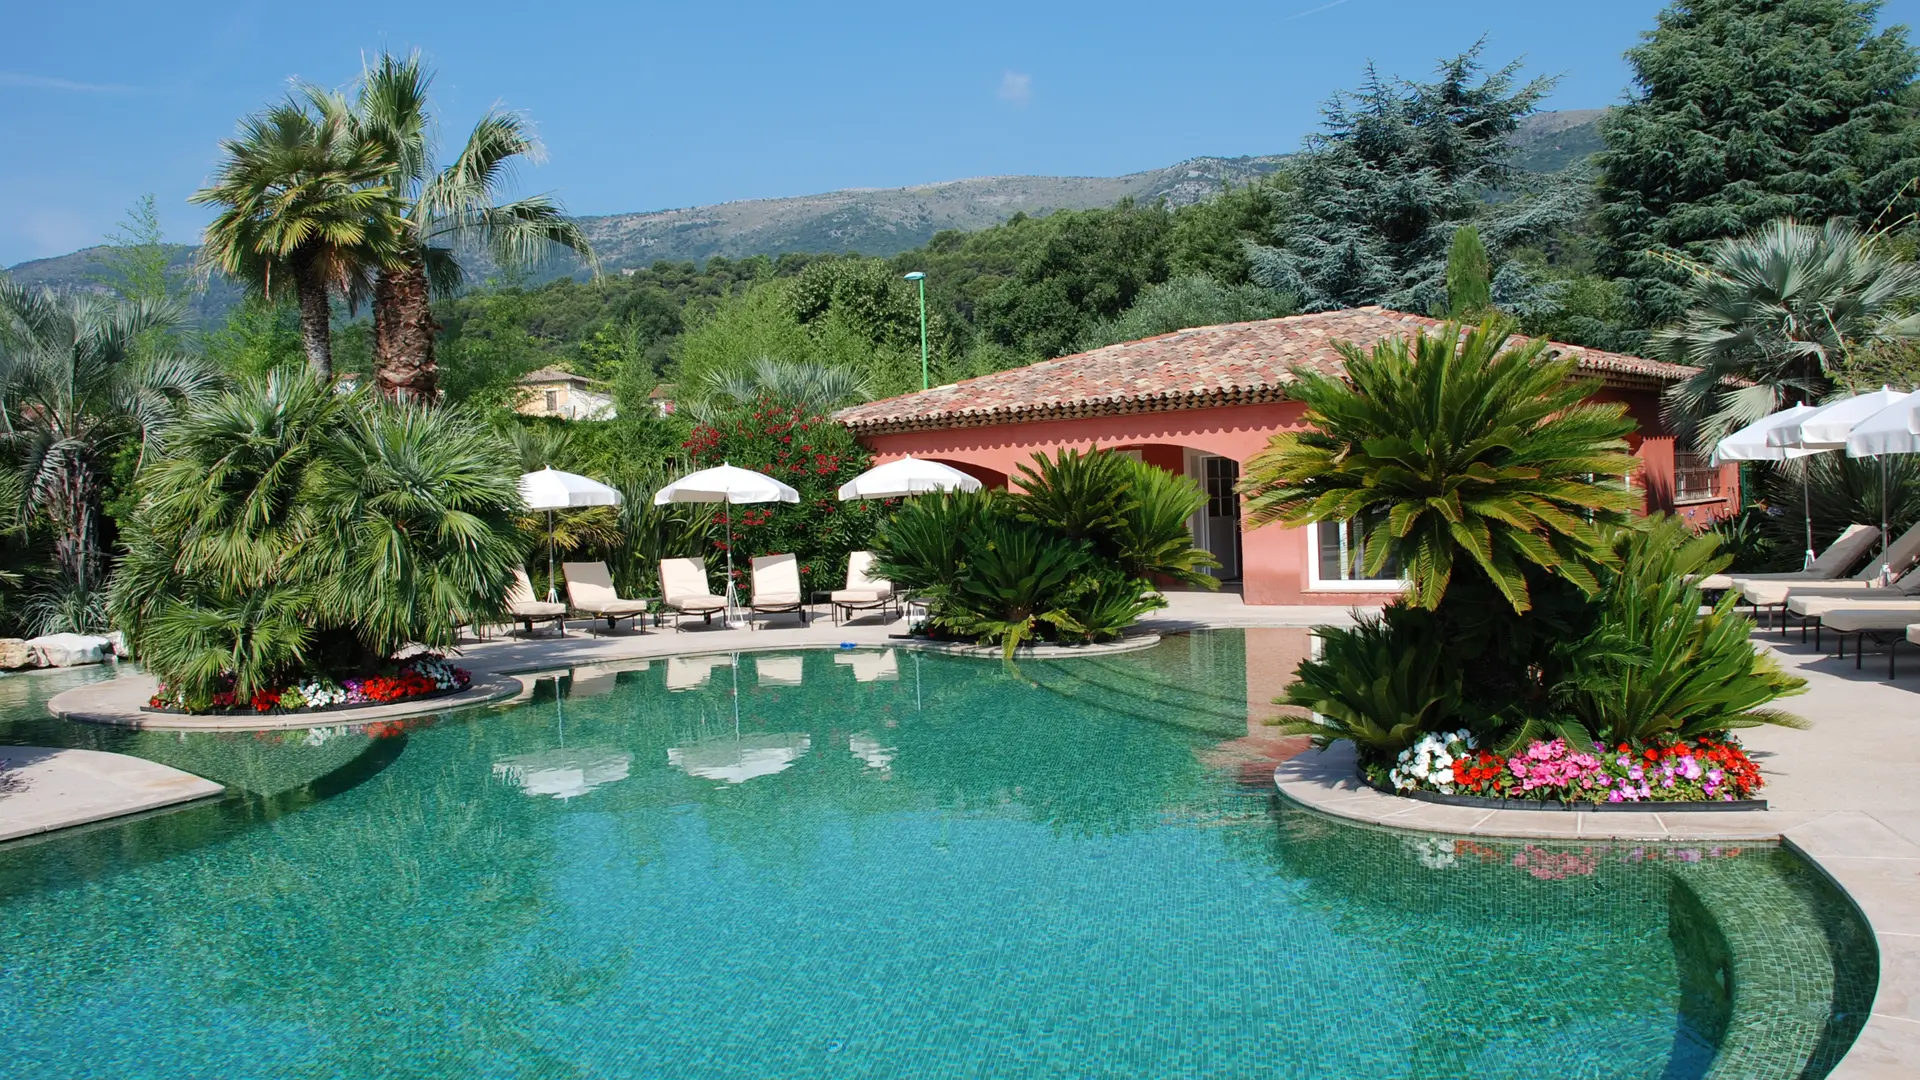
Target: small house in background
662, 399
1200, 402
552, 392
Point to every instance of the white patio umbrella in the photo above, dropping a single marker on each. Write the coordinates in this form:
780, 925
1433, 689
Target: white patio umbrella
908, 476
1893, 430
550, 490
1829, 426
1750, 444
730, 485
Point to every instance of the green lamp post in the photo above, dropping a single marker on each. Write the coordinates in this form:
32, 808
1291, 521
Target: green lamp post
920, 278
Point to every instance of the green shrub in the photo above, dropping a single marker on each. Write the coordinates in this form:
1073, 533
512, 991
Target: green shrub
289, 527
1013, 579
1380, 685
1654, 669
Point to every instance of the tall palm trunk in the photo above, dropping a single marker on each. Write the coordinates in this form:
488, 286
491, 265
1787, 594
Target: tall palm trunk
73, 506
316, 317
403, 330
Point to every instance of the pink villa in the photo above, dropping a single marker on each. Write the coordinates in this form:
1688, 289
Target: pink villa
1201, 402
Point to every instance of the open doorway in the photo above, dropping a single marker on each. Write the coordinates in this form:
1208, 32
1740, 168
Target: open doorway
1216, 527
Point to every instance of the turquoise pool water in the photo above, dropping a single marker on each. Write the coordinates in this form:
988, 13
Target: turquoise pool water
880, 865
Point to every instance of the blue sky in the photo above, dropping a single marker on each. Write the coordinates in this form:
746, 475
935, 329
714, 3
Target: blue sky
645, 106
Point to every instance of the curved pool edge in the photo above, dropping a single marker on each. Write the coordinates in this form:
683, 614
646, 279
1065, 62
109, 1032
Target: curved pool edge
1874, 868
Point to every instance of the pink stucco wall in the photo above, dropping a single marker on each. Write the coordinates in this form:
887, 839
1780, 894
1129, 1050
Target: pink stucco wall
1273, 559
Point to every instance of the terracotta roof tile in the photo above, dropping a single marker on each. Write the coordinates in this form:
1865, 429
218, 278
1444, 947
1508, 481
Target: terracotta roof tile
1233, 364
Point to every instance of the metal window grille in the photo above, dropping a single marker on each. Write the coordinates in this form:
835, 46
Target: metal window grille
1693, 476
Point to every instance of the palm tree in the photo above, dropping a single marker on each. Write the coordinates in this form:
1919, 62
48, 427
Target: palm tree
304, 200
438, 210
1454, 452
1774, 316
73, 391
813, 389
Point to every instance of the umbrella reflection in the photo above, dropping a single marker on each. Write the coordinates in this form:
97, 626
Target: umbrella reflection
565, 772
870, 750
738, 760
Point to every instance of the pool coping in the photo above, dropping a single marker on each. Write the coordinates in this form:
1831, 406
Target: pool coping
1876, 869
65, 787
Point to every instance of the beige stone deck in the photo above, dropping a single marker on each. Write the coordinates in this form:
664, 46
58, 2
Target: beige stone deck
58, 788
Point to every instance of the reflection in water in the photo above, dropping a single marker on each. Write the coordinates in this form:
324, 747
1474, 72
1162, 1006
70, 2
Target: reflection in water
883, 666
1051, 875
691, 672
564, 772
779, 670
869, 750
739, 760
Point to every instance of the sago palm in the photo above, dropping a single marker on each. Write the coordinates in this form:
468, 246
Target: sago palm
1456, 451
1773, 317
304, 200
73, 392
440, 209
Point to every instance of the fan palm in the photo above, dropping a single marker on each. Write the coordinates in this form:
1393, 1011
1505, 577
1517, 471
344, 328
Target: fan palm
303, 199
813, 389
73, 391
440, 209
1457, 451
1774, 315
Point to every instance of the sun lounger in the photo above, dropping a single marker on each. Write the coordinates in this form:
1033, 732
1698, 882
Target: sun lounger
1849, 548
692, 672
525, 609
1887, 622
776, 587
864, 592
1799, 599
590, 590
684, 590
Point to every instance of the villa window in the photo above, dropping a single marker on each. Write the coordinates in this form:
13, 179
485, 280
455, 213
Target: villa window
1339, 559
553, 401
1694, 477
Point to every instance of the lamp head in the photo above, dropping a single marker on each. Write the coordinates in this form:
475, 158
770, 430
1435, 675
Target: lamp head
917, 276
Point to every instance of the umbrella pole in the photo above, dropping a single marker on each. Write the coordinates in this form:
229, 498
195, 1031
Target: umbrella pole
552, 593
1886, 571
733, 600
1806, 511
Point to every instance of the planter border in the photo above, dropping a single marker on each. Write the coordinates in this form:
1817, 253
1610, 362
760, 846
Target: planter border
1647, 806
343, 707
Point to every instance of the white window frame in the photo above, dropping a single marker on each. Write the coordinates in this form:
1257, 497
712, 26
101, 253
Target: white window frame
1315, 583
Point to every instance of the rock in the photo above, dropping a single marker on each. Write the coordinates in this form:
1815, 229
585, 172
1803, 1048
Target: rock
14, 654
68, 650
117, 642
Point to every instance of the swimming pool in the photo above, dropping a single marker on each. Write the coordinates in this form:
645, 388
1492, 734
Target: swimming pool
876, 864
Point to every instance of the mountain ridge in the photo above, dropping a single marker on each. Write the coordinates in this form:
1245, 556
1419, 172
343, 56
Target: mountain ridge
871, 221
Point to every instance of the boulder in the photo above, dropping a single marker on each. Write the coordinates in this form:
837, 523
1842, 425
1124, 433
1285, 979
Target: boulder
68, 650
14, 654
117, 643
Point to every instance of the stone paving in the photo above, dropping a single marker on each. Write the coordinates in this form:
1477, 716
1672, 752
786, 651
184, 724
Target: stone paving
59, 788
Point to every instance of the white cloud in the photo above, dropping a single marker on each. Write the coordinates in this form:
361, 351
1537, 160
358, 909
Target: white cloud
1015, 87
1312, 11
43, 82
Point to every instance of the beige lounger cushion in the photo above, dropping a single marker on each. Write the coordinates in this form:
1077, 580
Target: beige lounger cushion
1865, 618
776, 581
1913, 633
590, 588
684, 583
860, 575
1816, 607
520, 600
1849, 548
859, 596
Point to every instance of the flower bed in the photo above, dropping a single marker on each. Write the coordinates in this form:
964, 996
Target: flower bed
419, 677
1703, 774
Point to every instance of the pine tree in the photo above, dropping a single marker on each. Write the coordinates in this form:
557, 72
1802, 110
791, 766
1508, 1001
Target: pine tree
1377, 197
1748, 111
1469, 282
